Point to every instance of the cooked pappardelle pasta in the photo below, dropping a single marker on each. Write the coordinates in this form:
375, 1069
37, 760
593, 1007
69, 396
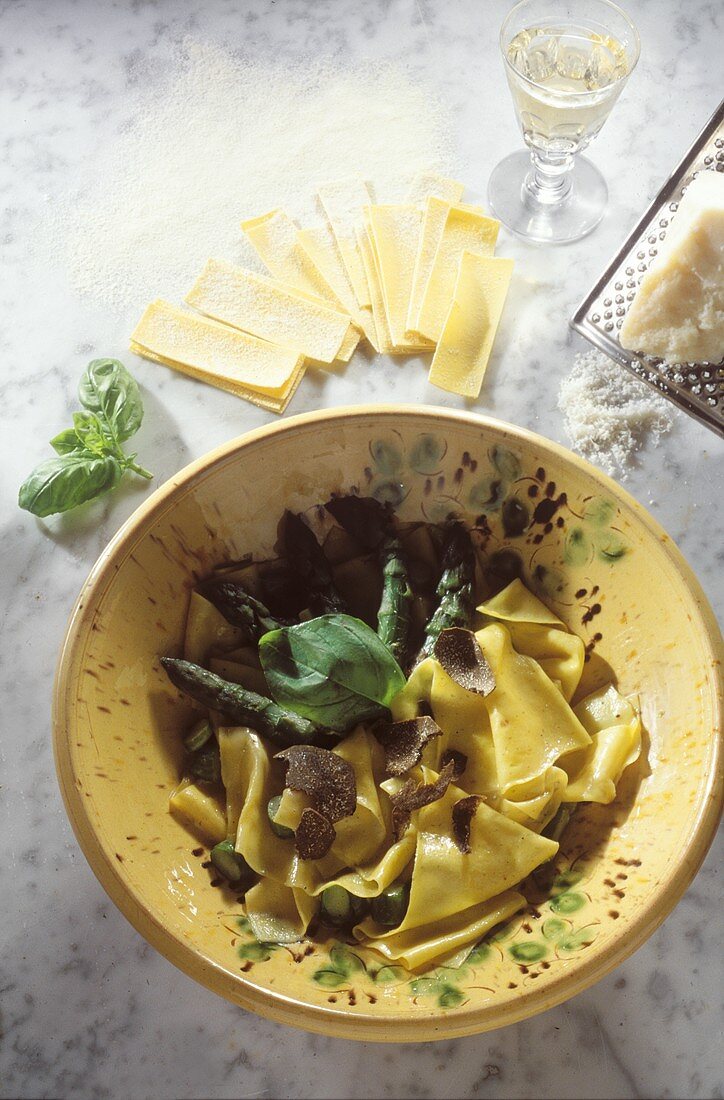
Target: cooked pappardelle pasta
387, 747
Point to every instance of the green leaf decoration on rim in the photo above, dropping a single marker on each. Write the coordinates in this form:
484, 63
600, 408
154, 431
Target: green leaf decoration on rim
390, 975
528, 952
554, 928
329, 979
345, 961
610, 546
576, 941
427, 453
477, 955
386, 456
506, 463
447, 994
577, 547
568, 903
257, 951
565, 880
599, 511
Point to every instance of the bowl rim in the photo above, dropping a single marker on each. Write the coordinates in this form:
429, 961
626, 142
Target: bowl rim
285, 1009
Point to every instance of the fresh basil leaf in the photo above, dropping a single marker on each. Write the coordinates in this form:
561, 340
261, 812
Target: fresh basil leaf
107, 389
333, 670
89, 430
66, 481
66, 442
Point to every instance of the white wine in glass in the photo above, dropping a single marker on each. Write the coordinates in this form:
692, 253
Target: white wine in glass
566, 65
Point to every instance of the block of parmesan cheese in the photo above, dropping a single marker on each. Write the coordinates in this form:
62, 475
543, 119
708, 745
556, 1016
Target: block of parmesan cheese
678, 311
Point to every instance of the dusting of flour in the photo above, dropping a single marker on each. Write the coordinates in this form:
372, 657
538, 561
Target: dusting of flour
609, 414
220, 138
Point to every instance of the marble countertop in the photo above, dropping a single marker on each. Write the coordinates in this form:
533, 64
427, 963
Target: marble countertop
88, 1008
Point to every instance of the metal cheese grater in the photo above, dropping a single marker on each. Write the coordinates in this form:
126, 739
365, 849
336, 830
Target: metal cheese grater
698, 388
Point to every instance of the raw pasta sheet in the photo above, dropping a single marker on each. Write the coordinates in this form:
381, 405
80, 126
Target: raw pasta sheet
251, 368
269, 310
464, 230
466, 341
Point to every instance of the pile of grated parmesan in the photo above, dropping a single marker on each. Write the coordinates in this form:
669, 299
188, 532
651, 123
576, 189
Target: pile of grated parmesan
221, 136
609, 414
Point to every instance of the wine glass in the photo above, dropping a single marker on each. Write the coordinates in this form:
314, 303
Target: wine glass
566, 62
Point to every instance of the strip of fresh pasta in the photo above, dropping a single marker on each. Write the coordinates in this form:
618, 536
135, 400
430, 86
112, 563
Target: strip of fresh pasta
354, 333
465, 230
467, 338
275, 404
274, 237
199, 810
349, 345
269, 310
395, 231
343, 201
433, 225
321, 247
426, 184
216, 349
407, 347
383, 341
253, 369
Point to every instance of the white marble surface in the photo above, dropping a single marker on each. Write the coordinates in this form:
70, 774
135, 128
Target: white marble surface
88, 1009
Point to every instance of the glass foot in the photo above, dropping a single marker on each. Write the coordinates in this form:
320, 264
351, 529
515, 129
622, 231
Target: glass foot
573, 217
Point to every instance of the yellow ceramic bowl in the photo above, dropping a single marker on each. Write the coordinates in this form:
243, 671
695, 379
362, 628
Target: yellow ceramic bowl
583, 544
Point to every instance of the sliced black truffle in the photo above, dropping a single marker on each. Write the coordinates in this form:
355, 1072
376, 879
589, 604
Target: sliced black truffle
404, 742
327, 779
460, 655
413, 796
314, 835
462, 817
459, 761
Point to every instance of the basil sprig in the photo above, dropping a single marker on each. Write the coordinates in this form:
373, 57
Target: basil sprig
333, 670
90, 459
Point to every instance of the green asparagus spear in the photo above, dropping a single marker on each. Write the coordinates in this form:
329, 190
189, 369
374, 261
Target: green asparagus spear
239, 705
339, 907
389, 907
558, 824
455, 588
336, 906
229, 863
272, 810
305, 556
240, 609
198, 735
370, 523
205, 763
394, 616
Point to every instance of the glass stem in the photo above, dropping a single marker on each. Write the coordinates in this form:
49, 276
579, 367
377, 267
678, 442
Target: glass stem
549, 180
